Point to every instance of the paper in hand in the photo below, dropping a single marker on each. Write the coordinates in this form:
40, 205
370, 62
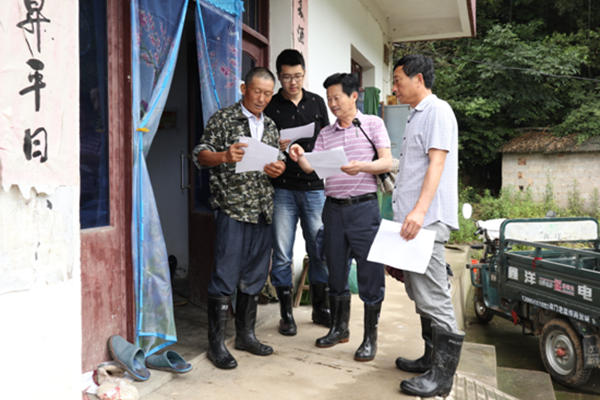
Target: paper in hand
389, 248
256, 155
328, 162
298, 132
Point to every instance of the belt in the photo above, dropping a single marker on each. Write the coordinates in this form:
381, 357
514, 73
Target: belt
353, 199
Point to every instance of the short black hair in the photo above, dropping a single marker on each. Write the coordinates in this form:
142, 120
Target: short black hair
349, 82
259, 72
414, 64
289, 57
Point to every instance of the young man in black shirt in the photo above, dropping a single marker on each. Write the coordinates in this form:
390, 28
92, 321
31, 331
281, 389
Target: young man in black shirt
297, 194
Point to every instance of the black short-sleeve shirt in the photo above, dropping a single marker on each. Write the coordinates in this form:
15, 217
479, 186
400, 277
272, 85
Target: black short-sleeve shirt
286, 114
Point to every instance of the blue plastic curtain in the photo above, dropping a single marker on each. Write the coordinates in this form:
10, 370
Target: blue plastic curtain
157, 27
218, 40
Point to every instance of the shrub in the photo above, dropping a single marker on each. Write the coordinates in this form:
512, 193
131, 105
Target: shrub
595, 204
574, 201
466, 233
549, 199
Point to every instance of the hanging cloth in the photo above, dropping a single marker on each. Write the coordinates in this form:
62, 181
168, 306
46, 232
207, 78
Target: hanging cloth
219, 45
156, 30
372, 100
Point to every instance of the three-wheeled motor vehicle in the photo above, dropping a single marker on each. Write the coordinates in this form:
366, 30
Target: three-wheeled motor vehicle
544, 274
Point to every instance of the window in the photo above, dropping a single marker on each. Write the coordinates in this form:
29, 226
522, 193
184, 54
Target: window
252, 15
93, 125
255, 38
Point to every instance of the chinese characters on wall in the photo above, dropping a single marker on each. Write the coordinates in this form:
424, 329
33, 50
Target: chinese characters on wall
300, 26
35, 146
39, 105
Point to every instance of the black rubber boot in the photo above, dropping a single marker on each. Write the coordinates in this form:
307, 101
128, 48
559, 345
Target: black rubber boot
287, 325
340, 318
422, 364
368, 347
218, 307
444, 360
319, 298
245, 320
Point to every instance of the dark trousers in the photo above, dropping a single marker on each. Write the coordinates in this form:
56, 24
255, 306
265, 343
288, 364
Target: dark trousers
242, 255
349, 232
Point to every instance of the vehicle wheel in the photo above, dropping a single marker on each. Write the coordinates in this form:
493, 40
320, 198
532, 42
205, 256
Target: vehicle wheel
482, 313
562, 353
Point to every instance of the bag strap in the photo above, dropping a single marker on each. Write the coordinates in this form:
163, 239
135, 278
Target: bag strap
376, 156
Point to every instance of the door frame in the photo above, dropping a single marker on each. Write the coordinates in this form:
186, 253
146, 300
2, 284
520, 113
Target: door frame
106, 251
201, 226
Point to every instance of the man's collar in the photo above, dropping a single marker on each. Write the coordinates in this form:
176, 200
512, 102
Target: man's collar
358, 116
425, 102
249, 115
283, 98
238, 110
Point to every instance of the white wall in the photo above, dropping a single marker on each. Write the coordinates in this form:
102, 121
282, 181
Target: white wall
337, 31
40, 273
335, 26
40, 294
280, 31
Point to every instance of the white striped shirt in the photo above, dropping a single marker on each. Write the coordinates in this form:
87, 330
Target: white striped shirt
357, 148
431, 125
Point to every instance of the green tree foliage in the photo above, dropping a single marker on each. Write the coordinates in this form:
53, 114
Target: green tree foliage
529, 66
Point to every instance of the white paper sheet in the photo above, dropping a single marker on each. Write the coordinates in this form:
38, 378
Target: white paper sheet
328, 162
256, 155
391, 249
299, 132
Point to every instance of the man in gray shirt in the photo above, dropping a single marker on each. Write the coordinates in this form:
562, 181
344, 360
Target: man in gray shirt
426, 197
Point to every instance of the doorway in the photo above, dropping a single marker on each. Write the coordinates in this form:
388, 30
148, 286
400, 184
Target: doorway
181, 190
182, 197
182, 193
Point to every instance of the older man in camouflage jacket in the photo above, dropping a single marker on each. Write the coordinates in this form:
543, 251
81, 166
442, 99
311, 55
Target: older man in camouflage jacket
244, 204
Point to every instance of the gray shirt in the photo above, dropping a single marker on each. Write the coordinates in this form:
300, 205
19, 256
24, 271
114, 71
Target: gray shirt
431, 125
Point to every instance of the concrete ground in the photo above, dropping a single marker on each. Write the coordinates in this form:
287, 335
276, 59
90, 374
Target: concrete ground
299, 370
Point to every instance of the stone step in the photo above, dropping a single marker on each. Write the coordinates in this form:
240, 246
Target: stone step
466, 388
477, 375
478, 362
526, 384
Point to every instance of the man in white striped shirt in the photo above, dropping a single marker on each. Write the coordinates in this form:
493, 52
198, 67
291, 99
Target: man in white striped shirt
426, 197
351, 214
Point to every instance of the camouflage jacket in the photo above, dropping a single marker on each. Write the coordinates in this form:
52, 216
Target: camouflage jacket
246, 195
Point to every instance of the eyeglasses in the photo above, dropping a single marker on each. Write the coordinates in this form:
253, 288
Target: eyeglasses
288, 78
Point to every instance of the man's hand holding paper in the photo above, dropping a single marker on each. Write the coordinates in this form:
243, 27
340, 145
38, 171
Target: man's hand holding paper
290, 135
235, 153
256, 156
328, 162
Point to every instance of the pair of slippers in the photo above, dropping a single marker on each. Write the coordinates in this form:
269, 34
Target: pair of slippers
134, 361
